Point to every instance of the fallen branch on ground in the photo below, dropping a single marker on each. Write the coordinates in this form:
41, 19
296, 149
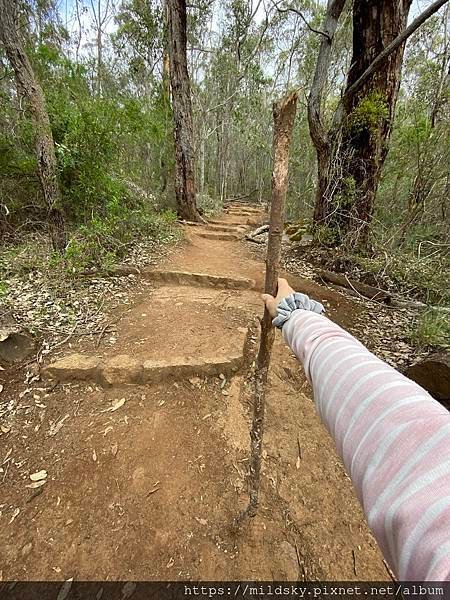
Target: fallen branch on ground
252, 235
368, 291
356, 288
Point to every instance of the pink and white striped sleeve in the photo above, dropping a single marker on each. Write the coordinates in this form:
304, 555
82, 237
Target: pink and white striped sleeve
393, 438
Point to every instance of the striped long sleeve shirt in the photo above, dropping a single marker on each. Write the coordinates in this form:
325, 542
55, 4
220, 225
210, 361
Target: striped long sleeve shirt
393, 438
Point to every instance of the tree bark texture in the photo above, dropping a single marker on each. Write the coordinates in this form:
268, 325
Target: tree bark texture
283, 122
351, 160
182, 112
29, 88
369, 113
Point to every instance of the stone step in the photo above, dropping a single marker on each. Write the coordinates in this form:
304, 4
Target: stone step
228, 223
218, 226
241, 213
186, 278
225, 237
225, 227
201, 280
245, 207
125, 369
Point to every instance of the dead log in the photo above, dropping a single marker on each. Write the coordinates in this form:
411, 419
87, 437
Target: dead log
417, 305
252, 235
368, 291
283, 117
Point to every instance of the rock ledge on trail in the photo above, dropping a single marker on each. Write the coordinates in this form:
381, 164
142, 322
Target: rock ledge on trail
76, 367
126, 369
433, 374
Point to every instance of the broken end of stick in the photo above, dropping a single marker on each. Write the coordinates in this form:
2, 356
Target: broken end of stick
286, 103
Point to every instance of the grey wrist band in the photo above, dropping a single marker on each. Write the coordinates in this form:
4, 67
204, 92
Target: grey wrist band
293, 302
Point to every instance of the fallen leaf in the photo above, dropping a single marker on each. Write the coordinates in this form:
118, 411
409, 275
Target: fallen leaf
5, 428
225, 393
297, 464
114, 449
65, 589
117, 404
14, 515
201, 521
55, 427
36, 484
1, 388
94, 456
38, 475
8, 454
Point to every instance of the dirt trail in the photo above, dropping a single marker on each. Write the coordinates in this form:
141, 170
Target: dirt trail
150, 490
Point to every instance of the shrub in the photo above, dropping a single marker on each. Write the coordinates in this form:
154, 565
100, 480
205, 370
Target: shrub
103, 241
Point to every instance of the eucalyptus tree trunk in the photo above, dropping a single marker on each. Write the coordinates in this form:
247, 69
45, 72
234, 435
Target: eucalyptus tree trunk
351, 154
182, 112
166, 148
350, 159
30, 89
361, 144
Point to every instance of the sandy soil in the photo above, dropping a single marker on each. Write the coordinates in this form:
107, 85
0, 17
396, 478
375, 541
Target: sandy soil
150, 491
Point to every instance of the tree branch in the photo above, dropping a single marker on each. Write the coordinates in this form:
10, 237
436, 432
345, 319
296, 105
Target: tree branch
318, 134
303, 18
398, 41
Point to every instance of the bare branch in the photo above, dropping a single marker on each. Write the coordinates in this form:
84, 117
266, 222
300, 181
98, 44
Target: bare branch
303, 18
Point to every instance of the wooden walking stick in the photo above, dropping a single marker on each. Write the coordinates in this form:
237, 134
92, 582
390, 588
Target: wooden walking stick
283, 122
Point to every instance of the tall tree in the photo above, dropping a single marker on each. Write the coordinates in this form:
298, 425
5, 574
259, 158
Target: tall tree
351, 155
182, 112
30, 89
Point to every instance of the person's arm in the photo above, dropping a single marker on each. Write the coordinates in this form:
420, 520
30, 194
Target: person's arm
393, 437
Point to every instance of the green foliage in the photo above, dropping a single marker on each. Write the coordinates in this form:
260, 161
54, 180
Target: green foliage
425, 278
326, 236
347, 194
369, 113
208, 204
432, 329
102, 242
101, 143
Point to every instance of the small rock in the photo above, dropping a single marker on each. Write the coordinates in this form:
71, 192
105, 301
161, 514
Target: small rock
26, 549
39, 475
